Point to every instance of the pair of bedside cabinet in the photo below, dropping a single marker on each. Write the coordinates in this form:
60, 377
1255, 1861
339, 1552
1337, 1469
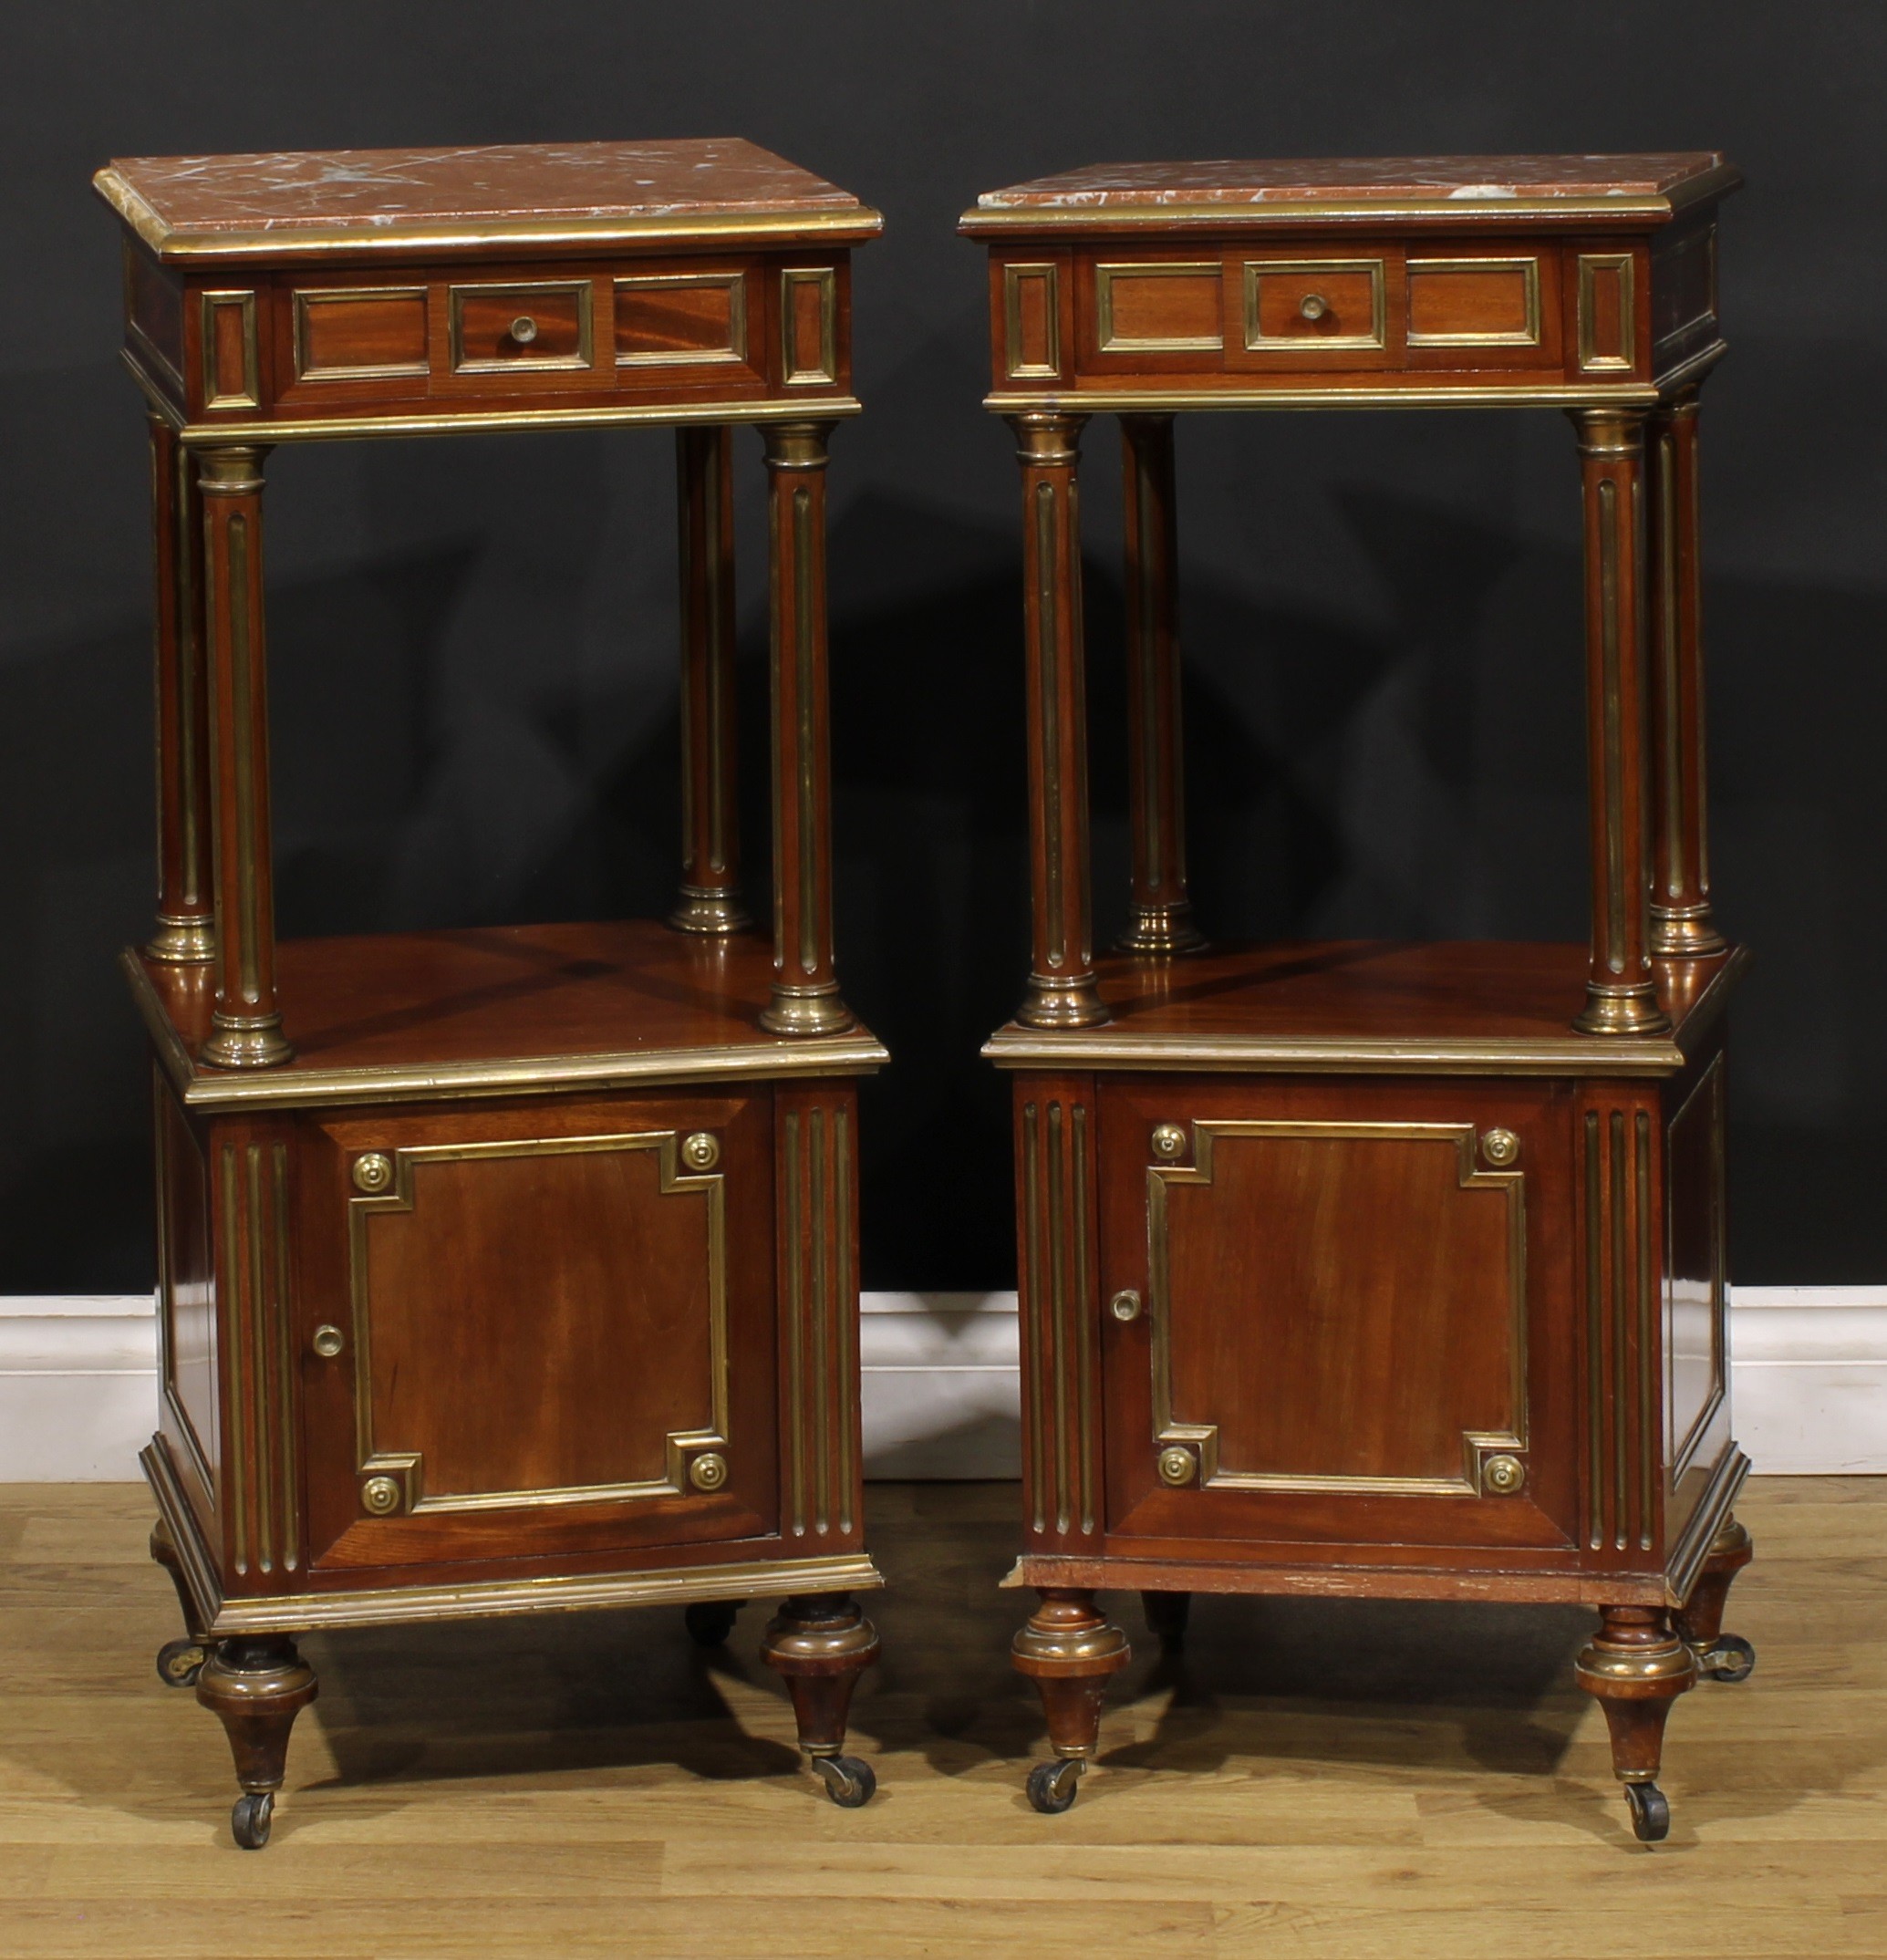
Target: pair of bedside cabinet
513, 1270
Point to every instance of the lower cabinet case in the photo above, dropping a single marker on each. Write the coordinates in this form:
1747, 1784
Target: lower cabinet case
492, 1356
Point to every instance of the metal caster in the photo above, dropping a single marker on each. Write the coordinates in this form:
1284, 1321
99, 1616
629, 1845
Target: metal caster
849, 1781
710, 1622
1053, 1785
1729, 1658
1651, 1812
180, 1661
251, 1818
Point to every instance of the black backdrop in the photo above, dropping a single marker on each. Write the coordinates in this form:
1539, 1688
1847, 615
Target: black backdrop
472, 640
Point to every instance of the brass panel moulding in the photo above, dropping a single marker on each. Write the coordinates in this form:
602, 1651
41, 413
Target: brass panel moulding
1257, 271
733, 354
1111, 340
1047, 276
1621, 267
521, 293
211, 306
823, 282
1489, 1457
402, 1472
311, 299
1524, 335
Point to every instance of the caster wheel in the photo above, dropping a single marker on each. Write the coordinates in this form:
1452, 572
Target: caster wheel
1731, 1659
849, 1782
1651, 1812
251, 1818
180, 1661
1053, 1785
710, 1622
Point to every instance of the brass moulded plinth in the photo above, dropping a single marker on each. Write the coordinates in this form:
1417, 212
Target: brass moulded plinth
1623, 1011
182, 941
238, 1044
1062, 1003
806, 1010
1163, 928
1689, 933
712, 914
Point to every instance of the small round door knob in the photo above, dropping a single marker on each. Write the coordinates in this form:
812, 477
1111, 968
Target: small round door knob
707, 1471
1500, 1147
1169, 1141
701, 1151
1178, 1466
328, 1342
524, 330
1313, 306
380, 1495
373, 1172
1503, 1475
1125, 1305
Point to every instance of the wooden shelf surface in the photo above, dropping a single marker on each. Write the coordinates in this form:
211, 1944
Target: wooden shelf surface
496, 1008
1361, 1005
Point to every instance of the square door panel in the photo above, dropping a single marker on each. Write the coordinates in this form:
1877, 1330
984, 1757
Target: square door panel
1337, 1291
553, 1321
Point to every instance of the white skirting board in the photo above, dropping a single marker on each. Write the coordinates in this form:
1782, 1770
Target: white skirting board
1809, 1383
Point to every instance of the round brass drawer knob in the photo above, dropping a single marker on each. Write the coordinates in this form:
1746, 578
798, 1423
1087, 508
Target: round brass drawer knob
380, 1495
1178, 1466
1125, 1305
1313, 306
707, 1471
701, 1151
524, 330
1503, 1475
1169, 1141
1500, 1147
328, 1342
373, 1172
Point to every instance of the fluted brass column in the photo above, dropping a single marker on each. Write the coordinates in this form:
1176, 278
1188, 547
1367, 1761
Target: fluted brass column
1681, 923
186, 924
1621, 994
1062, 992
1162, 919
805, 993
710, 900
246, 1027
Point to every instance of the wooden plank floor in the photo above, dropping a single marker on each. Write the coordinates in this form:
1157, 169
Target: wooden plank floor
1314, 1779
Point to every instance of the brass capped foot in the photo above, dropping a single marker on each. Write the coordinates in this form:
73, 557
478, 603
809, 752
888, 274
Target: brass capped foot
1636, 1666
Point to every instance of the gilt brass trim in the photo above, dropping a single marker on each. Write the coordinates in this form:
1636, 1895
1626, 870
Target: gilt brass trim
307, 299
826, 280
1049, 272
1257, 341
1478, 1446
525, 290
406, 1468
1528, 336
209, 304
1590, 263
1109, 341
1693, 1546
733, 354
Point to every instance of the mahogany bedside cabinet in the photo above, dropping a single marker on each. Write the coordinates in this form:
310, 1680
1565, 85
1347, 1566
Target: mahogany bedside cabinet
1370, 1269
501, 1270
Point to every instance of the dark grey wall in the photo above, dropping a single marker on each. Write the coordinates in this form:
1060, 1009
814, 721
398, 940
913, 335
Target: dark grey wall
472, 640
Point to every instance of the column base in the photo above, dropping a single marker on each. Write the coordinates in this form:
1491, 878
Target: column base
1622, 1010
182, 941
1062, 1003
1163, 928
1688, 934
710, 913
244, 1044
806, 1010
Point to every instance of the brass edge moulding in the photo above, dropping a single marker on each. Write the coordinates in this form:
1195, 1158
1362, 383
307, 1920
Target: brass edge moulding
824, 281
209, 304
1526, 263
394, 1480
1523, 393
174, 1509
1693, 1547
734, 354
169, 243
1048, 271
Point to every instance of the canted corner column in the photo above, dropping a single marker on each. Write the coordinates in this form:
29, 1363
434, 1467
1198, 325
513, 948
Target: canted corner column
709, 899
247, 1026
1621, 991
186, 920
805, 994
1162, 918
1681, 923
1061, 991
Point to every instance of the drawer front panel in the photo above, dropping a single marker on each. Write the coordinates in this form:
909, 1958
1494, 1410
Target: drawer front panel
521, 329
1316, 307
681, 319
355, 334
1173, 307
557, 1330
1341, 1329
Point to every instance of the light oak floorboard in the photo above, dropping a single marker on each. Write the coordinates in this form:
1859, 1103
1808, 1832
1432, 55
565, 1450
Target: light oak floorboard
1311, 1778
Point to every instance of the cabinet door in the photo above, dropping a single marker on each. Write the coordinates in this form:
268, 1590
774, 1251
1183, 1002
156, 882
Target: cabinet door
1342, 1308
538, 1330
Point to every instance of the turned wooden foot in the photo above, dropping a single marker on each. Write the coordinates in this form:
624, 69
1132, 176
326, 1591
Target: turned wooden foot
821, 1642
256, 1686
179, 1662
1637, 1666
1069, 1648
1167, 1614
1721, 1656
